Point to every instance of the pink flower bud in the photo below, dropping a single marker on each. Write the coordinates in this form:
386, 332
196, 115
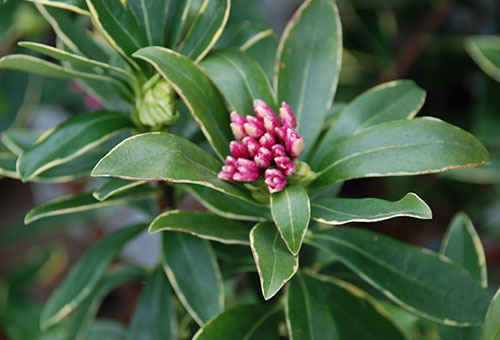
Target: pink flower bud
263, 158
254, 127
229, 169
238, 149
267, 140
92, 103
265, 114
225, 176
287, 118
246, 166
238, 125
278, 150
286, 165
252, 146
245, 177
294, 143
275, 180
280, 132
231, 161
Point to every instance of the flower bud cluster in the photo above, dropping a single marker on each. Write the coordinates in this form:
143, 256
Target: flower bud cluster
263, 146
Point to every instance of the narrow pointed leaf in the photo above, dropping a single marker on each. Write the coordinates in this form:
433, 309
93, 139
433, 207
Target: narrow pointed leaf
204, 225
249, 322
337, 211
239, 78
194, 274
308, 66
275, 264
229, 206
114, 186
462, 244
85, 275
154, 317
485, 51
206, 29
177, 14
158, 156
119, 25
69, 140
153, 18
8, 165
291, 211
18, 140
77, 6
107, 330
490, 329
84, 202
418, 146
244, 35
419, 280
196, 90
264, 52
396, 100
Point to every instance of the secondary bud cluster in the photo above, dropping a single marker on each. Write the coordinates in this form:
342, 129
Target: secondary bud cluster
264, 145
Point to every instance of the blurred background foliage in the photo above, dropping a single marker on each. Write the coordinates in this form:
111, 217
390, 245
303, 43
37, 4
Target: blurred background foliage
422, 40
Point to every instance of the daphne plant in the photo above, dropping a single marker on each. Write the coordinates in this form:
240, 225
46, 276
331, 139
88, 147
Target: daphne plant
269, 195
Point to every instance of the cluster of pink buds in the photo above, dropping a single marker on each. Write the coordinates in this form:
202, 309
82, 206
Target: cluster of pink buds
263, 146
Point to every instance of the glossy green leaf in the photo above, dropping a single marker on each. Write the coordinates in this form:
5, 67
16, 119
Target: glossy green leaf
8, 165
85, 275
485, 50
75, 59
83, 202
77, 6
69, 140
419, 280
194, 274
244, 35
291, 211
337, 211
206, 29
154, 317
264, 52
396, 100
275, 264
310, 54
204, 225
319, 307
197, 91
83, 317
153, 18
114, 186
119, 26
177, 14
19, 140
249, 322
158, 156
107, 330
490, 329
229, 206
240, 79
462, 244
400, 148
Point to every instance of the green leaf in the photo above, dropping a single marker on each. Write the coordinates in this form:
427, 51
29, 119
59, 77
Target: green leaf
69, 140
84, 276
154, 317
337, 211
243, 35
197, 92
240, 79
19, 140
308, 69
75, 59
204, 225
485, 50
114, 186
8, 165
206, 29
249, 322
419, 280
107, 330
396, 100
194, 274
77, 6
158, 156
153, 18
291, 211
275, 264
319, 307
177, 14
83, 202
490, 329
400, 148
462, 244
119, 26
229, 206
264, 51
